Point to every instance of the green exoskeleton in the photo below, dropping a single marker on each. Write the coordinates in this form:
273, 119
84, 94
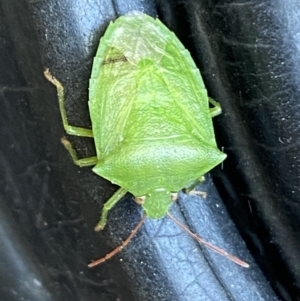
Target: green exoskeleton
151, 119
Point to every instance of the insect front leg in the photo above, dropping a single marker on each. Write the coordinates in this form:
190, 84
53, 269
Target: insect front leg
114, 199
216, 110
190, 189
71, 130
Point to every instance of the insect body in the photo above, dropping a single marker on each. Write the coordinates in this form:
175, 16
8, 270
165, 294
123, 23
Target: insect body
150, 113
151, 120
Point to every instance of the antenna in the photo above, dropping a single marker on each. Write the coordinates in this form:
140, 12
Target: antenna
209, 245
183, 227
120, 247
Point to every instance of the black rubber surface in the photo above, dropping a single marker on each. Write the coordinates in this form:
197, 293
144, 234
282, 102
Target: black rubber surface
248, 53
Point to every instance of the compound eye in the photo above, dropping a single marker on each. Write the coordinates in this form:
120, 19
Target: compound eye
174, 196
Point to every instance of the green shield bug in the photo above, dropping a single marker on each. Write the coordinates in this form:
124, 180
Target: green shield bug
151, 120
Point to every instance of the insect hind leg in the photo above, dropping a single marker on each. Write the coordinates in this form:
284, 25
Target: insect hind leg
71, 130
216, 110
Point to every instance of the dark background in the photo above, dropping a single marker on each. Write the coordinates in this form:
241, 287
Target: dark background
248, 54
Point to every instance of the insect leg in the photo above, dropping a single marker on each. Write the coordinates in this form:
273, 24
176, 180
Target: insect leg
119, 248
80, 162
114, 199
190, 188
71, 130
216, 110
